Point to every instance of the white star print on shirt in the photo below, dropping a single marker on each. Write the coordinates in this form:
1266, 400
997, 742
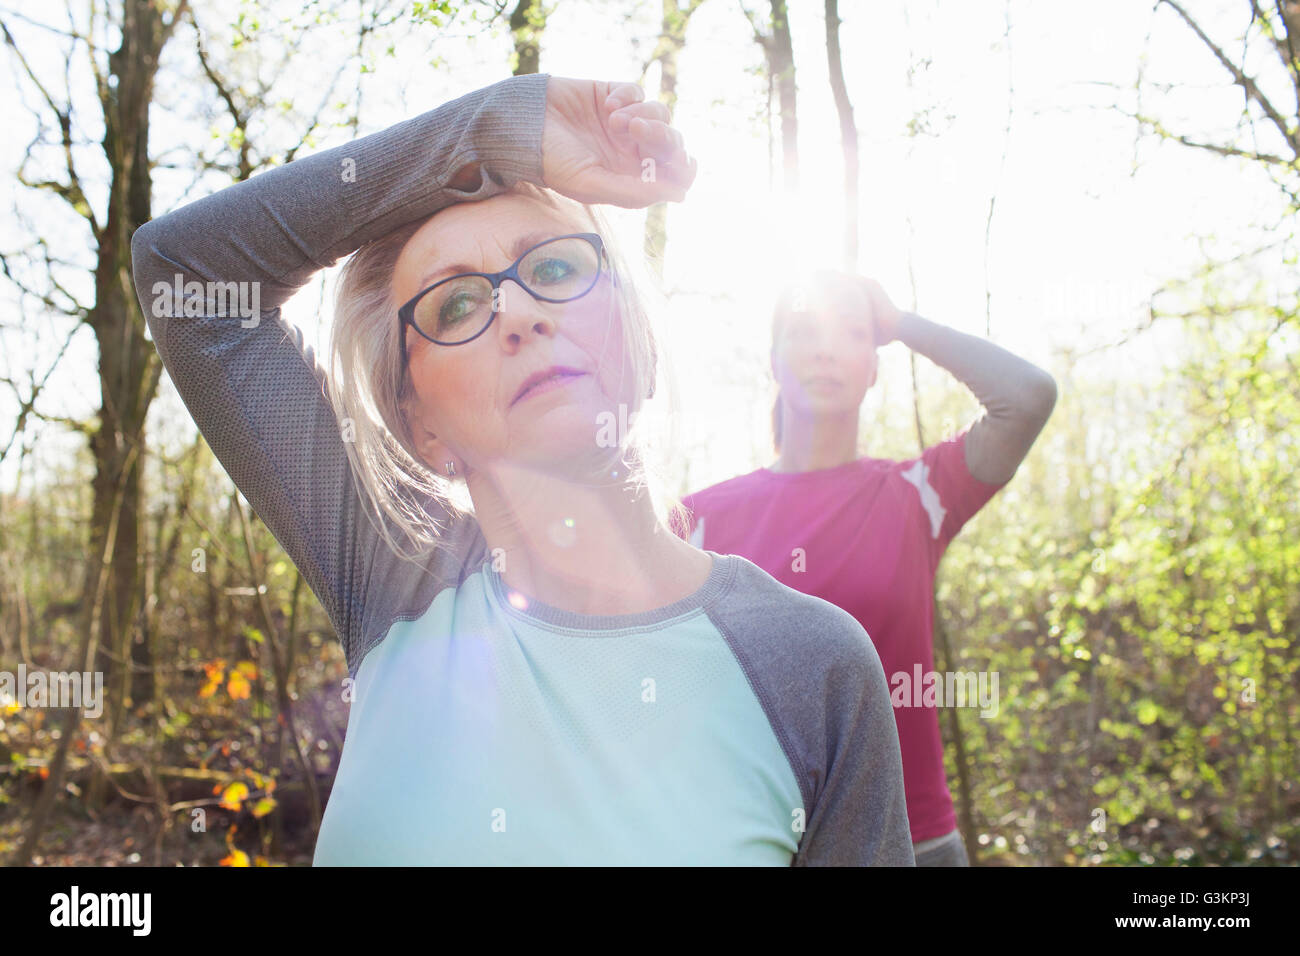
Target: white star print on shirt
919, 475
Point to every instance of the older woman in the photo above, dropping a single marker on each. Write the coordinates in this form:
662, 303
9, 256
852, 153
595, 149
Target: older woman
554, 677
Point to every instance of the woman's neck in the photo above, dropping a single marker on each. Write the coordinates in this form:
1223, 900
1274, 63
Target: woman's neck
585, 548
827, 441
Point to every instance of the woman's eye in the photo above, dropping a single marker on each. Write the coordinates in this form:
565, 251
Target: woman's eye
552, 270
457, 307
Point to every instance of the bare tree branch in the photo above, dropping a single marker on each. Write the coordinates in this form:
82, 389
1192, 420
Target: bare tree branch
27, 405
239, 115
76, 311
1158, 128
70, 191
1241, 79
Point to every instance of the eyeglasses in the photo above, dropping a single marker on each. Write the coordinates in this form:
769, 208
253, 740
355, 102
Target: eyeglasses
459, 309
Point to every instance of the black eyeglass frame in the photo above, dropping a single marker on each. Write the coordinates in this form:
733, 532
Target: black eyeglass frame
406, 314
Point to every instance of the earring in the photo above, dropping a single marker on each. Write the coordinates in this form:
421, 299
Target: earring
451, 469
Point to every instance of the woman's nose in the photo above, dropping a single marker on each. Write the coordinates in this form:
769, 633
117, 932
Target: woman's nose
519, 314
818, 342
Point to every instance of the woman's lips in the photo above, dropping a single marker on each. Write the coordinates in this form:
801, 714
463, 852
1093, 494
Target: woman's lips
558, 380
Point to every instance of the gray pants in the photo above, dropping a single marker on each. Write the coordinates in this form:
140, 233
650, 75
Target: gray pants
947, 850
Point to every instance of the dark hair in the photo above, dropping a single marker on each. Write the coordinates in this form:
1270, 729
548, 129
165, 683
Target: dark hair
776, 423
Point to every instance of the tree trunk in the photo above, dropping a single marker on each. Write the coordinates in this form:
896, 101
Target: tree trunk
129, 368
780, 59
672, 39
128, 373
526, 26
848, 135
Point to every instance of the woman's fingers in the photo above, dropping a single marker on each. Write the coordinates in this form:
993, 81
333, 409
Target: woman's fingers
667, 147
681, 169
620, 118
604, 142
648, 109
623, 94
647, 125
654, 138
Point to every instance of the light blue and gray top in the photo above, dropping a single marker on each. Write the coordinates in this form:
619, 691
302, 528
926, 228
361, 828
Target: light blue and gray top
746, 724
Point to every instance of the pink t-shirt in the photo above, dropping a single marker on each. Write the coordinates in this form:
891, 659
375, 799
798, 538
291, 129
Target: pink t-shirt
866, 536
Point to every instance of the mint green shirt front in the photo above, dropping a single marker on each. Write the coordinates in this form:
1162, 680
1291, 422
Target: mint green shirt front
485, 733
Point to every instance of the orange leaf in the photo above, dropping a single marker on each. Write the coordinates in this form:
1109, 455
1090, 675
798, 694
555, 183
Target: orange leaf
236, 858
238, 688
234, 796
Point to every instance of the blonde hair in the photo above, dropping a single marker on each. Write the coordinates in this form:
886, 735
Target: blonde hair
364, 376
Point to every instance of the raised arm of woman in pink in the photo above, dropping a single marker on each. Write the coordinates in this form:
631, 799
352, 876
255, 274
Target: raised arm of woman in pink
1018, 396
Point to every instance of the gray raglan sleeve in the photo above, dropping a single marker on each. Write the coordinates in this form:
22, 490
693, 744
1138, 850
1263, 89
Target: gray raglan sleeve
820, 681
859, 814
253, 388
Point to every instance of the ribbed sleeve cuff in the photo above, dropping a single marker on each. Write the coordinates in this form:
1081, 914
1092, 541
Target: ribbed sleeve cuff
403, 171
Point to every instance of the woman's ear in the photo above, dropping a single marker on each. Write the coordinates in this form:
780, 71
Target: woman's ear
432, 451
427, 444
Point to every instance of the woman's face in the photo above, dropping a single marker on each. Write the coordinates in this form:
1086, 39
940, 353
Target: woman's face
824, 357
466, 395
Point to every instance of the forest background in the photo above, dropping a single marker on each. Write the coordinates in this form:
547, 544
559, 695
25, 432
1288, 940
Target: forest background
1110, 193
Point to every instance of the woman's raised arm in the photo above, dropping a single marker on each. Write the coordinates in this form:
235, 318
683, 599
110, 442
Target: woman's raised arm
1018, 396
212, 276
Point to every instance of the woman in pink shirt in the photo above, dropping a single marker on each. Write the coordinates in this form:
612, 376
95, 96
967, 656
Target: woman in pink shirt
866, 534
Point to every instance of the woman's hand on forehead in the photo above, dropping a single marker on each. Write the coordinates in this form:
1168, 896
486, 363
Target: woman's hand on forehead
603, 143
